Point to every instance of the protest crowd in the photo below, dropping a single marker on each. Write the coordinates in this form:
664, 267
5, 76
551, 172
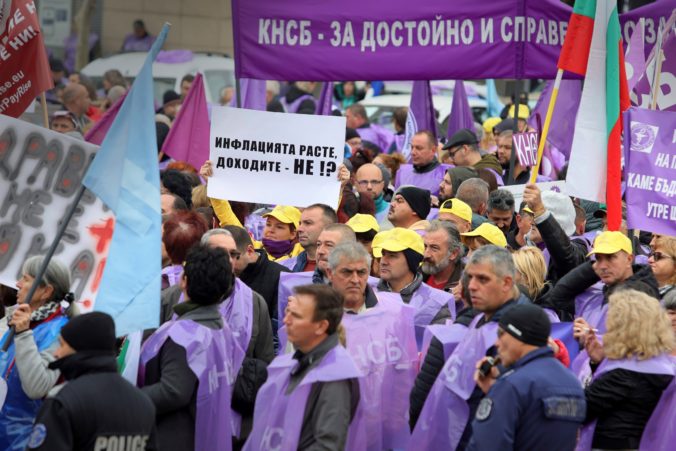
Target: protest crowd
447, 294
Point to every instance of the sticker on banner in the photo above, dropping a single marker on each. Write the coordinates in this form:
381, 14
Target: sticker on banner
643, 137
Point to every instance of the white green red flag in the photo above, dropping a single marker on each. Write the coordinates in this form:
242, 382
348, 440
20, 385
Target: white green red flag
593, 48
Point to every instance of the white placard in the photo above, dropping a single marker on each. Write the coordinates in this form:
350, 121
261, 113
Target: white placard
40, 174
517, 190
55, 21
275, 158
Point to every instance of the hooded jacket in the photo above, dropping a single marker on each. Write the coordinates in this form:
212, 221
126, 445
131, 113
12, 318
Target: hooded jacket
489, 161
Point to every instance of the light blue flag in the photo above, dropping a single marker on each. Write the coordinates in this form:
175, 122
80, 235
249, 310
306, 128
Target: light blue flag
125, 176
495, 106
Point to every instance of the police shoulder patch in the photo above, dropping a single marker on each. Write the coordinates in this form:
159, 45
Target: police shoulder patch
38, 436
484, 409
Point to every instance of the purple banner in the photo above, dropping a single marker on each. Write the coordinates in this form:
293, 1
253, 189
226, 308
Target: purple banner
650, 170
461, 113
526, 147
356, 40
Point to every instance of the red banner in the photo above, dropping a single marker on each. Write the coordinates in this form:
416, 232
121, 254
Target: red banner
24, 68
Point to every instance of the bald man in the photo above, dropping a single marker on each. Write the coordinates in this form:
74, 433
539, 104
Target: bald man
76, 100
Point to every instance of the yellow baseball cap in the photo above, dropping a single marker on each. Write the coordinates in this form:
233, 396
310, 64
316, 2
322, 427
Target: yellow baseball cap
490, 233
400, 239
528, 210
285, 214
524, 111
377, 243
611, 242
361, 223
490, 123
458, 208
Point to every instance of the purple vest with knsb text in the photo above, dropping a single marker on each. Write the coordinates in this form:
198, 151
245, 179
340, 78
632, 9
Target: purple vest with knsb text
381, 342
445, 413
589, 305
429, 180
278, 417
212, 355
662, 364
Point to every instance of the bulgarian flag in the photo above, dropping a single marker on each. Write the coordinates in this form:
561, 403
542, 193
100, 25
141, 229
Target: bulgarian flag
593, 49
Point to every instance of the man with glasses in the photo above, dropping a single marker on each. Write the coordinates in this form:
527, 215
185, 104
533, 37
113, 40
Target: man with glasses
370, 182
463, 149
426, 171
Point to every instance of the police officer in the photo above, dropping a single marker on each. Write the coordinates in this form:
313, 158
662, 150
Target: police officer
96, 409
535, 402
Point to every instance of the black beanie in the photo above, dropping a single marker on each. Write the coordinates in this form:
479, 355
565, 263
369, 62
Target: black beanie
418, 199
350, 133
93, 331
413, 259
528, 323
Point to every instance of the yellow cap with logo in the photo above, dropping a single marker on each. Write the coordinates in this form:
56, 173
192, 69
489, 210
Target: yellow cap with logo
285, 214
490, 233
397, 240
490, 123
524, 112
611, 242
361, 223
458, 208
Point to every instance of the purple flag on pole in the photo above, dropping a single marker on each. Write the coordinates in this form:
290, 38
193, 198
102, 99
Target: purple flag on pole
325, 104
420, 114
253, 94
188, 138
650, 168
98, 131
461, 113
634, 61
666, 95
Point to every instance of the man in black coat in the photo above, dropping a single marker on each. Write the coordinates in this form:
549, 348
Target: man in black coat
96, 408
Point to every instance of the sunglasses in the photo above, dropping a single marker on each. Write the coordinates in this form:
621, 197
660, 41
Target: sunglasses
657, 256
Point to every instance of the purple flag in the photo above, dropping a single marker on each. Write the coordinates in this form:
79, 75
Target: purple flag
211, 355
325, 104
661, 364
188, 138
381, 342
98, 131
634, 61
461, 114
666, 95
650, 165
278, 417
253, 94
560, 133
659, 432
421, 114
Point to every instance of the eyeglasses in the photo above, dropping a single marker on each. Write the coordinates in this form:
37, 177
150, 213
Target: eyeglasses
657, 256
451, 153
365, 183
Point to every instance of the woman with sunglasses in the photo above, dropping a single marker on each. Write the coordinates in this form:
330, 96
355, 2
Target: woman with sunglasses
662, 260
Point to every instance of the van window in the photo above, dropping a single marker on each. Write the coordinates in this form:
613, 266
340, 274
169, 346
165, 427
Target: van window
215, 81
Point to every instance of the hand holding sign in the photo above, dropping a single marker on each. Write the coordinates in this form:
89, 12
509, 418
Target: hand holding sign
533, 198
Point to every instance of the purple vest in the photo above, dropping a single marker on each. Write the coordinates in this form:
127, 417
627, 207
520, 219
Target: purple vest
378, 135
498, 176
445, 413
448, 334
171, 275
427, 302
237, 311
662, 364
381, 342
429, 180
212, 355
399, 143
589, 305
289, 263
564, 332
659, 432
278, 417
289, 280
295, 105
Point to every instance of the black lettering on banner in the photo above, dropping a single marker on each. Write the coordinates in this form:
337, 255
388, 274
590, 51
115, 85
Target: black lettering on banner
28, 208
236, 144
301, 167
220, 163
80, 270
33, 212
222, 143
10, 238
246, 145
71, 234
7, 145
278, 167
34, 148
16, 199
70, 176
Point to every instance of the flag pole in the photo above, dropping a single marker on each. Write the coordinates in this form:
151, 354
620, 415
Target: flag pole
45, 261
545, 128
45, 112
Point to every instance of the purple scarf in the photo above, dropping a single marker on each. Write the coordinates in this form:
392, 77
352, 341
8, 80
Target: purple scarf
661, 364
278, 417
381, 342
277, 248
445, 413
212, 355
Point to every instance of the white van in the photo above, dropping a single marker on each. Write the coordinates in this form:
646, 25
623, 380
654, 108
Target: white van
218, 70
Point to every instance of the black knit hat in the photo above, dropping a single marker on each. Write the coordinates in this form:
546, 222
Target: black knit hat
528, 323
418, 199
93, 331
350, 133
413, 260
